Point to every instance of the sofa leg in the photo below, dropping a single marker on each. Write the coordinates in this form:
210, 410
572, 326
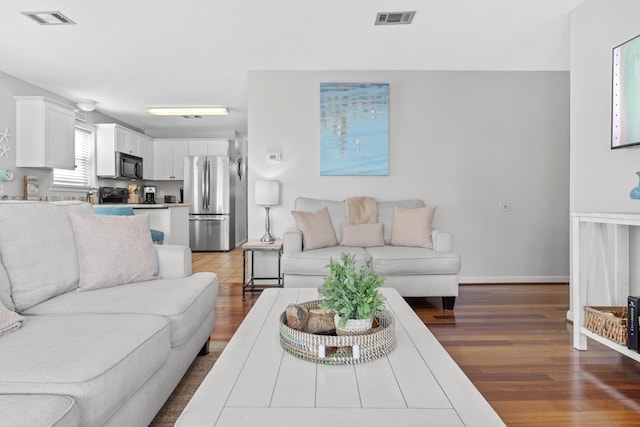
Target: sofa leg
448, 302
205, 348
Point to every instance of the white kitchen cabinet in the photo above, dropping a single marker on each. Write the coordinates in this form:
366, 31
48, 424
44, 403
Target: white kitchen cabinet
168, 157
145, 147
45, 133
112, 137
209, 147
126, 141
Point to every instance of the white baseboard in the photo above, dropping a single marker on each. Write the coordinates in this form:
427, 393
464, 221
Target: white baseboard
513, 279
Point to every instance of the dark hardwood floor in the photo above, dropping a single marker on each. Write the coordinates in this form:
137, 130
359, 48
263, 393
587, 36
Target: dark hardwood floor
512, 341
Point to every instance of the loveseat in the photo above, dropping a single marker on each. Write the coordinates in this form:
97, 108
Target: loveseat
416, 265
106, 322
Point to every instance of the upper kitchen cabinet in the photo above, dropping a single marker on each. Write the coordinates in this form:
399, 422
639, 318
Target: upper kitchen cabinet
145, 147
45, 133
169, 159
208, 147
112, 138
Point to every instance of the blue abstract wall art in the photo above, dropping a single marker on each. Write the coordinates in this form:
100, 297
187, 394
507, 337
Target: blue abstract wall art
354, 129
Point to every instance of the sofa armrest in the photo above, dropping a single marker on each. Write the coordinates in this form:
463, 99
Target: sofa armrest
174, 261
442, 240
292, 241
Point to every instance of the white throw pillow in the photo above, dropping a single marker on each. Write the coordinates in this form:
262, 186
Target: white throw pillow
362, 235
317, 230
113, 250
412, 227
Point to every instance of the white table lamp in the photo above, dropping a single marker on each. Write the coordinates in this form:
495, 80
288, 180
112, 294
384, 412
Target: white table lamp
267, 194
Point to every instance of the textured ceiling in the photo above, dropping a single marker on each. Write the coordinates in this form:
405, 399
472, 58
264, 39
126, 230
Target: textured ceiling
131, 54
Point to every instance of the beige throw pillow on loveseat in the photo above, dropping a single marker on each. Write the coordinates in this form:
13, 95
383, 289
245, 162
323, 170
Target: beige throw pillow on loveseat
316, 227
412, 227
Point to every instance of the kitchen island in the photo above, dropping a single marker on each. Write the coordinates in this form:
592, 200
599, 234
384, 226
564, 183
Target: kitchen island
170, 218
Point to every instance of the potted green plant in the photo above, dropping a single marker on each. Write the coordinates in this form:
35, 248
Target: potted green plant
352, 294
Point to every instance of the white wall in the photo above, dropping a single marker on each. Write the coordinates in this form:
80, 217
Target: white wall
601, 178
464, 141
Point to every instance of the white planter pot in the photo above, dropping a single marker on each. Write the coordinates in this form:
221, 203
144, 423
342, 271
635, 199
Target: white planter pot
353, 326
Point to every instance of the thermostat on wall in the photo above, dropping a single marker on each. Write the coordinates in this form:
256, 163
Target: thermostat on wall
273, 157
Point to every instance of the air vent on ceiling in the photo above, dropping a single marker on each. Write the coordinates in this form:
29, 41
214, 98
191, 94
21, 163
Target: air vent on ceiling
394, 18
81, 116
49, 18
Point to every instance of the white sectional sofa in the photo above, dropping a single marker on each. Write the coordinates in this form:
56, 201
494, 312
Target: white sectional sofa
413, 271
93, 356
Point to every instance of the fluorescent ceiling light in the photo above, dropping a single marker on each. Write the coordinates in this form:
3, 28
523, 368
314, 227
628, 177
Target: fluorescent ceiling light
188, 111
49, 18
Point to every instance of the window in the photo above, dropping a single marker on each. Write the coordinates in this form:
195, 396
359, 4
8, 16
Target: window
82, 175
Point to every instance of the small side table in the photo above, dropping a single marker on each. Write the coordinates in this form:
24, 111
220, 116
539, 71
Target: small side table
257, 246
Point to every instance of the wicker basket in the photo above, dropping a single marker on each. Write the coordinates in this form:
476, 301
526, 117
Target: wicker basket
340, 349
608, 322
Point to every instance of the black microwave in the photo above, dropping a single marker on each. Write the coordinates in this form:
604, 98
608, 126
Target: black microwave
128, 166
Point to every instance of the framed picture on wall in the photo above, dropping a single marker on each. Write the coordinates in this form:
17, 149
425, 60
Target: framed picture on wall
354, 129
625, 100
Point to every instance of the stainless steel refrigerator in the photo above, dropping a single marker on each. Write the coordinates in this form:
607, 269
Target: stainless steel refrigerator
210, 186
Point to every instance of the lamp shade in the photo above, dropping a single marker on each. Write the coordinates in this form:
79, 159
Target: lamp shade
267, 193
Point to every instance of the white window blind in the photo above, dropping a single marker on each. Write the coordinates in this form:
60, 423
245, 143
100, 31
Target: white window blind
81, 175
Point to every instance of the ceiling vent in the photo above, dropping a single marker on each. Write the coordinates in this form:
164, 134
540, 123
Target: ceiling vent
81, 116
394, 18
49, 18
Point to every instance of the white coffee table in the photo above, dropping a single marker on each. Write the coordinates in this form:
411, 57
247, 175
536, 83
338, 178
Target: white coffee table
256, 383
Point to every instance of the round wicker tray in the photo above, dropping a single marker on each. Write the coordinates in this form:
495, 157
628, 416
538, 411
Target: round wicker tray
339, 349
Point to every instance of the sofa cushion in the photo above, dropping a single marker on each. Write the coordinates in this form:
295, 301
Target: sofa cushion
412, 227
184, 302
362, 235
51, 267
400, 260
98, 360
113, 250
316, 227
38, 410
316, 261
